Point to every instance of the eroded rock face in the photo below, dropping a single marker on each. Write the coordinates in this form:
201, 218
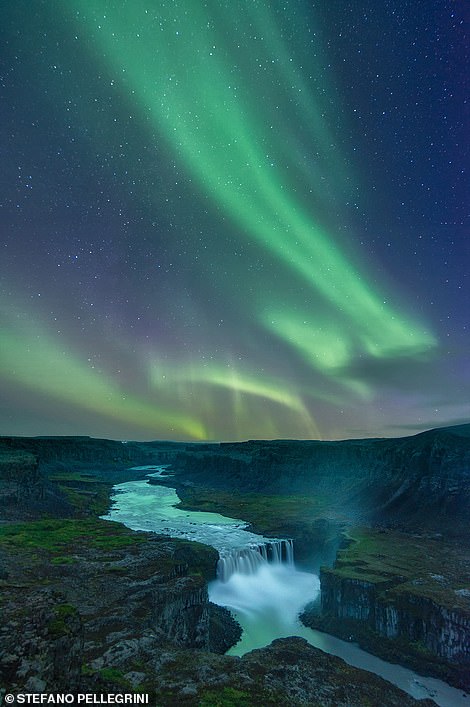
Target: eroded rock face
419, 482
105, 609
42, 642
444, 632
19, 479
289, 672
307, 675
415, 598
136, 618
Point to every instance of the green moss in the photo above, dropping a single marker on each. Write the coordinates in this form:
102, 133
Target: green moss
115, 676
58, 536
227, 697
59, 625
419, 648
266, 513
423, 566
200, 559
92, 500
63, 560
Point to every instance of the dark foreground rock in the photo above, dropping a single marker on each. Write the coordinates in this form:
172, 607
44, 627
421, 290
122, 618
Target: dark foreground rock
97, 608
88, 605
287, 673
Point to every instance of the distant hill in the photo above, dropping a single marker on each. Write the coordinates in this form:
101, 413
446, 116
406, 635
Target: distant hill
421, 481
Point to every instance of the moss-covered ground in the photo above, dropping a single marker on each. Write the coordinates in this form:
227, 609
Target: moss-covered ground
398, 565
86, 493
417, 564
62, 536
267, 514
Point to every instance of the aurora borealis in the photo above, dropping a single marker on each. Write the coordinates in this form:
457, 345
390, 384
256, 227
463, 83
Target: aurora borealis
232, 220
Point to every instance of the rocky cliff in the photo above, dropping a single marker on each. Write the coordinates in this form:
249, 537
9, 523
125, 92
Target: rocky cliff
414, 482
19, 475
104, 610
90, 604
421, 481
81, 597
411, 591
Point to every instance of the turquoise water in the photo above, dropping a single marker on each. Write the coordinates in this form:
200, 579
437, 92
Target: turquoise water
266, 602
142, 506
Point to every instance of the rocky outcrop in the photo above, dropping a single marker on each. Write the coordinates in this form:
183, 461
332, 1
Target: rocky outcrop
109, 600
42, 642
410, 604
309, 676
394, 611
76, 449
415, 482
224, 631
102, 633
184, 620
23, 489
103, 614
19, 475
289, 672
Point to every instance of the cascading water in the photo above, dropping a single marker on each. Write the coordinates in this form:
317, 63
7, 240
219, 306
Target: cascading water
258, 582
248, 560
262, 587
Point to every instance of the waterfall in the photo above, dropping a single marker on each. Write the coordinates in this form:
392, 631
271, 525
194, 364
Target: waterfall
261, 586
248, 560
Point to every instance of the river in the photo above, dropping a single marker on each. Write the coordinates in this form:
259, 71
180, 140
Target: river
265, 597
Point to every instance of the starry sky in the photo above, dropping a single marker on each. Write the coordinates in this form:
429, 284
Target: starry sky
233, 219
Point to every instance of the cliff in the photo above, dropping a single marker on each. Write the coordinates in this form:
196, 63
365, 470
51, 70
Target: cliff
90, 450
91, 606
401, 596
418, 482
79, 597
414, 482
19, 475
60, 476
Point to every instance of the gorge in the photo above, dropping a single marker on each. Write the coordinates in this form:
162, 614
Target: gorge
257, 580
385, 520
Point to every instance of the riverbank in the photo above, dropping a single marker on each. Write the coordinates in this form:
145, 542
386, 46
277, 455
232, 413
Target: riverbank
60, 624
401, 597
364, 569
92, 606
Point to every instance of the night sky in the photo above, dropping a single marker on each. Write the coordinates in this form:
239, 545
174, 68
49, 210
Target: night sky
233, 219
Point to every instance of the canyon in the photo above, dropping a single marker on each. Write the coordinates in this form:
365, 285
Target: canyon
92, 604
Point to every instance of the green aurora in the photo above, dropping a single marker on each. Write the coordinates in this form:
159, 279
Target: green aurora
238, 102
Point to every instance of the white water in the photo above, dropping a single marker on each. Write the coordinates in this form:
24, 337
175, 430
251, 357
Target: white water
142, 506
266, 603
262, 587
248, 560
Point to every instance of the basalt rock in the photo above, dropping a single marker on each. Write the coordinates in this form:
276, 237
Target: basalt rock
289, 672
107, 609
415, 482
19, 478
397, 612
415, 599
42, 642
